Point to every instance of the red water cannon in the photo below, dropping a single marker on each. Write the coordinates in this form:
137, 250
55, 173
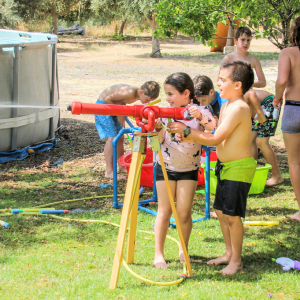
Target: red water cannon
140, 112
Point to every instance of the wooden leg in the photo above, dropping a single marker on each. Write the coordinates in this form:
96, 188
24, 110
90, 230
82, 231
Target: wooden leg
128, 200
186, 256
133, 217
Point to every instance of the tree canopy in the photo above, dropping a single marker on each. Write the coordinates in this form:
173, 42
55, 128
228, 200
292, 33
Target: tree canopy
198, 18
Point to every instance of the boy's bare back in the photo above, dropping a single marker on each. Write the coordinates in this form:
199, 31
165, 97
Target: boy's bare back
235, 123
120, 94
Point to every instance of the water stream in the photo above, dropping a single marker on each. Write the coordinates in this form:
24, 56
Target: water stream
29, 106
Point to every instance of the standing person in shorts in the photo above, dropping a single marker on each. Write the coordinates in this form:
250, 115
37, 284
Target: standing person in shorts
109, 126
261, 134
182, 161
288, 80
236, 166
242, 40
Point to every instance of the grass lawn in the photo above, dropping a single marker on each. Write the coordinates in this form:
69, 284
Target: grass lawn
46, 258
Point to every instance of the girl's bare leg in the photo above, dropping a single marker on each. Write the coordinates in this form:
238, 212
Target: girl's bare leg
162, 221
267, 151
292, 145
185, 192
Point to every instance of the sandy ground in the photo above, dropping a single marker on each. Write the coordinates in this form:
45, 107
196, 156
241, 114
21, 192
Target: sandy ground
87, 66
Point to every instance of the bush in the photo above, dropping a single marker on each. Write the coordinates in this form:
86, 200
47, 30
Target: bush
8, 16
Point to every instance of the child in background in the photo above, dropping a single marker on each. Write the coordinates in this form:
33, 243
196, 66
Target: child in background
207, 96
287, 82
261, 134
242, 40
109, 126
182, 161
236, 166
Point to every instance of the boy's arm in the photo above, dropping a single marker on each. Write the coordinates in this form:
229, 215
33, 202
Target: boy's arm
232, 119
122, 95
208, 120
261, 80
252, 98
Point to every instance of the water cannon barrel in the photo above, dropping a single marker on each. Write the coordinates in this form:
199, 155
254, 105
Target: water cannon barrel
137, 111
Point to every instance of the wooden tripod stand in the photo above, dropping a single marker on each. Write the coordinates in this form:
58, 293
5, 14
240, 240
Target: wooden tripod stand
130, 206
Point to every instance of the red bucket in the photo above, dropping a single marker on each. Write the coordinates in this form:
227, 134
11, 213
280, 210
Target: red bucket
213, 157
147, 168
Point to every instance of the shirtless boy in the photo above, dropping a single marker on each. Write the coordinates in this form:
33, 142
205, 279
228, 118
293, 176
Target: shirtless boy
261, 133
109, 126
242, 40
287, 82
236, 167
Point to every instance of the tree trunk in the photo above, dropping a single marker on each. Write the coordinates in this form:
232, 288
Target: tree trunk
155, 42
230, 35
286, 26
122, 27
54, 18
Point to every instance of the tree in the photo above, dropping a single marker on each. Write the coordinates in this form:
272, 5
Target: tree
8, 14
138, 9
198, 18
131, 10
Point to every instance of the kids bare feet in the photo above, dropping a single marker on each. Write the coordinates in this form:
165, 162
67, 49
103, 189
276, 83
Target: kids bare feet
274, 181
222, 260
122, 170
181, 257
214, 215
231, 269
296, 216
110, 175
160, 263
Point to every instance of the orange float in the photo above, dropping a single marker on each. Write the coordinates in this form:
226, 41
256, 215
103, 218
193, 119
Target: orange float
222, 33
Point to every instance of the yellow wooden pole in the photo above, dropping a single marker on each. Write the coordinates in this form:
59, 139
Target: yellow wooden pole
186, 256
128, 200
133, 218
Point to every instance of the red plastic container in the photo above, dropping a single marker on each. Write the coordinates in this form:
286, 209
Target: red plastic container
213, 157
147, 168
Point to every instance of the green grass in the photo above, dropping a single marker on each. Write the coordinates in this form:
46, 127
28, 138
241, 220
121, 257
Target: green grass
262, 56
45, 258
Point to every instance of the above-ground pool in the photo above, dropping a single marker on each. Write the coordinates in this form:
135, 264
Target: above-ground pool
28, 77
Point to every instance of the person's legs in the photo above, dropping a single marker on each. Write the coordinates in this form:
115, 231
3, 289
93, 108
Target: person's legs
108, 153
268, 153
253, 145
292, 145
162, 221
120, 151
225, 258
185, 192
236, 229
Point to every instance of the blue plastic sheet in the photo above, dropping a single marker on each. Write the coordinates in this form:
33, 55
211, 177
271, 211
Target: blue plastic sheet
23, 153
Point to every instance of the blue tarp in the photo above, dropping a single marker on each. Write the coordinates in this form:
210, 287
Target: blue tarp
23, 153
